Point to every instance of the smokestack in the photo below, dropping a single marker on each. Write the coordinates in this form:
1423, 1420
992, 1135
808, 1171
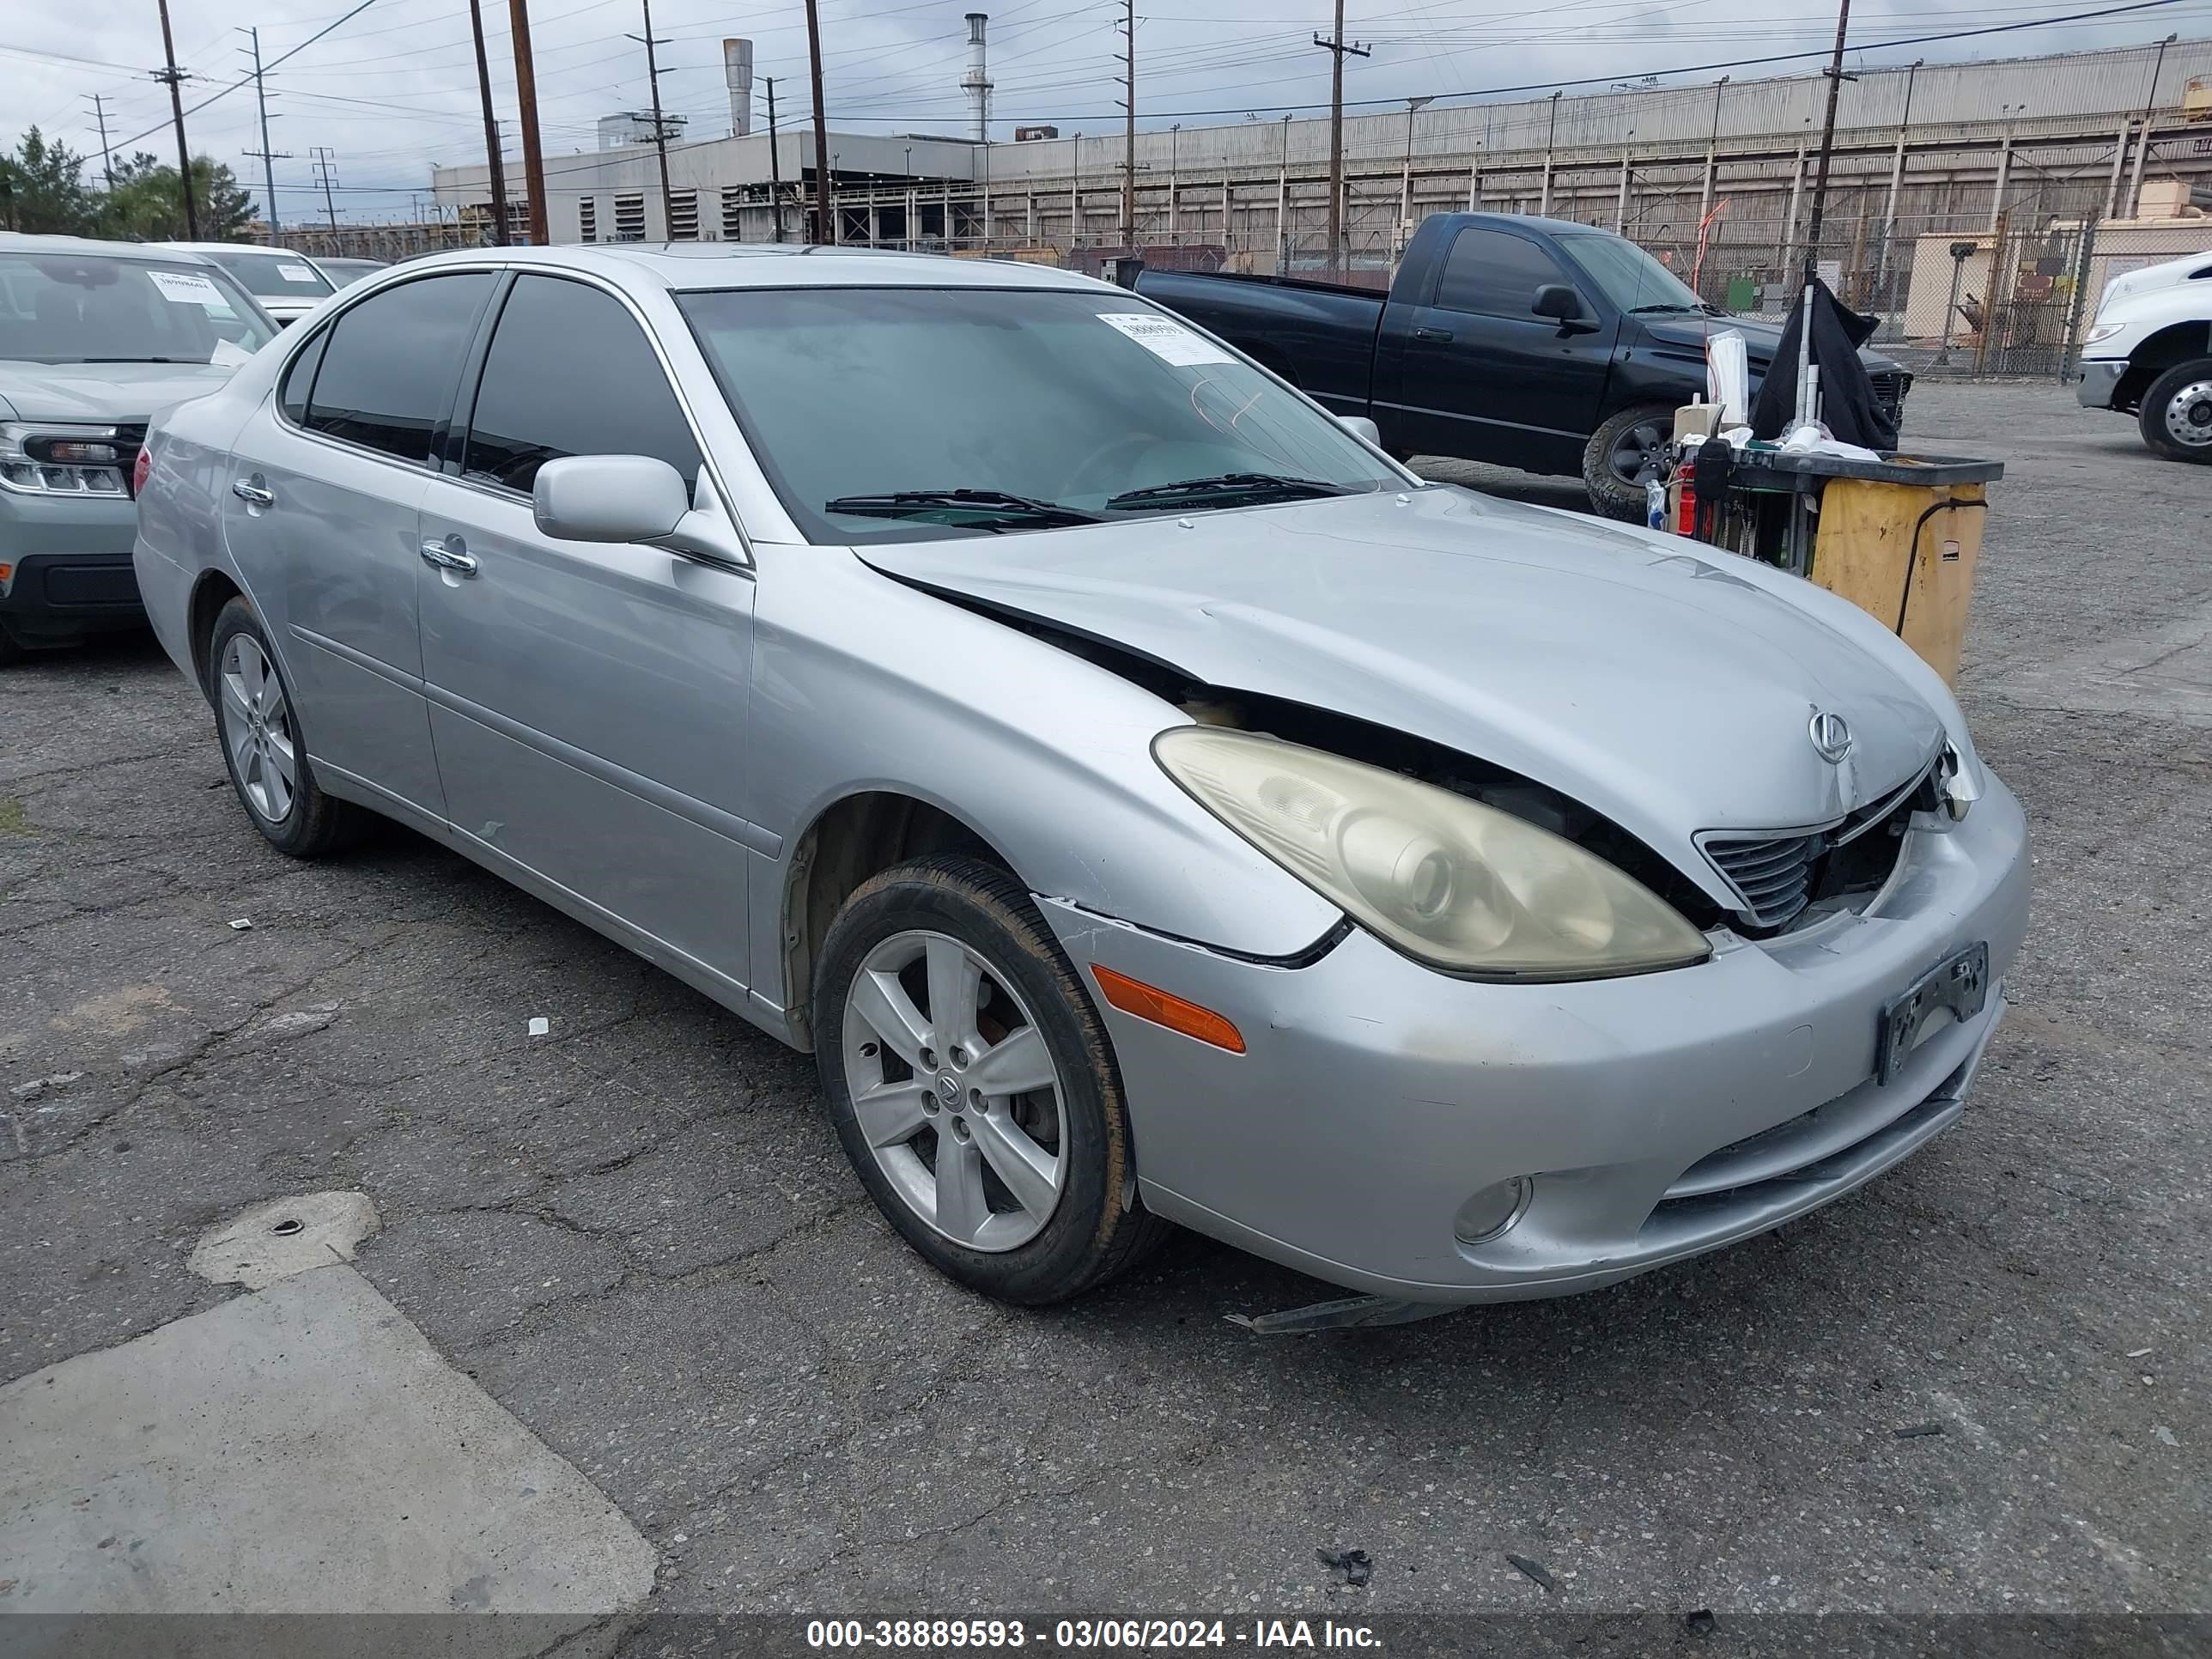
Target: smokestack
738, 75
976, 83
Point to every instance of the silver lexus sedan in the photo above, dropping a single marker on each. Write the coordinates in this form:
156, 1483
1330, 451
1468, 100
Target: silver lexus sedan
1148, 802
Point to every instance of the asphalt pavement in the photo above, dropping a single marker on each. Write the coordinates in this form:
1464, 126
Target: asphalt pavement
1979, 1384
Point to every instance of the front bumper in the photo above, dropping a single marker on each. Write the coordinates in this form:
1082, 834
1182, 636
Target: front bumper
1661, 1116
70, 571
2100, 382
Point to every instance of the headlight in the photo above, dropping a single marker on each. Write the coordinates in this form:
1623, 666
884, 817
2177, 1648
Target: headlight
1459, 885
43, 459
2101, 332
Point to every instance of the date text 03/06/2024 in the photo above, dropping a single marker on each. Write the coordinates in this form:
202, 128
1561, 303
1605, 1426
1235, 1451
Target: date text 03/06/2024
932, 1635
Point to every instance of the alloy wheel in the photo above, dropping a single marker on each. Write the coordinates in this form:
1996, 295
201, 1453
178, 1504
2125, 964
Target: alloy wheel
955, 1091
1634, 450
2189, 415
257, 728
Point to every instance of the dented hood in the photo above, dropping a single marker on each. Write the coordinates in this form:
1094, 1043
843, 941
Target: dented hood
1634, 673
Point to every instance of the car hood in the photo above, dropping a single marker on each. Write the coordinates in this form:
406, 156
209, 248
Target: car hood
104, 392
1635, 673
1760, 340
2172, 273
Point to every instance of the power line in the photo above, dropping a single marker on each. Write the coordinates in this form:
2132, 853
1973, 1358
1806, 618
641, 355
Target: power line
226, 91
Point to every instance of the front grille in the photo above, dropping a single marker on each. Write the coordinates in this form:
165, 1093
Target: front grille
1890, 387
1777, 875
1773, 875
129, 441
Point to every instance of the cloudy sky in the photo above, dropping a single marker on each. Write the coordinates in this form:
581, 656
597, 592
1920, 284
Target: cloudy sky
392, 89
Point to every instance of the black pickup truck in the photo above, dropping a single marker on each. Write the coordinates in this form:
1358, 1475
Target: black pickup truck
1531, 343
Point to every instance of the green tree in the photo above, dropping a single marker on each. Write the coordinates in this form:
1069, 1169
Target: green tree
42, 188
144, 204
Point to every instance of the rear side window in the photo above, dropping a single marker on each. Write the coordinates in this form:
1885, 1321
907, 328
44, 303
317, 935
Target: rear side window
570, 372
390, 362
300, 378
1495, 273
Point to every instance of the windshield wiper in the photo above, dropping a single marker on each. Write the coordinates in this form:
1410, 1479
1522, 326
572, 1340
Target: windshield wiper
1638, 311
195, 361
917, 503
1230, 483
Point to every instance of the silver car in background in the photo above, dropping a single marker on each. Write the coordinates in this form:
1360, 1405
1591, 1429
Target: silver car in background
288, 285
1147, 801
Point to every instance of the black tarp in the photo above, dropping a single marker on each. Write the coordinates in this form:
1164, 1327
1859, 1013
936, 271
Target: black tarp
1847, 405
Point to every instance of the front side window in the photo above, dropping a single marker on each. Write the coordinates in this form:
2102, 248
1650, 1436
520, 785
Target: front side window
870, 407
274, 276
1494, 273
92, 308
389, 364
570, 372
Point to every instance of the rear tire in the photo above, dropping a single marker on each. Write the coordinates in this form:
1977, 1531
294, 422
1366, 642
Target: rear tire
1615, 450
2176, 416
1028, 1193
262, 749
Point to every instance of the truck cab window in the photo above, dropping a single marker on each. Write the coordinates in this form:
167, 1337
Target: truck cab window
1494, 273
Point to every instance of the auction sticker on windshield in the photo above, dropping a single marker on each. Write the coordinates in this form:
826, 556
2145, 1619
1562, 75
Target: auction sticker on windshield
296, 273
1166, 339
183, 287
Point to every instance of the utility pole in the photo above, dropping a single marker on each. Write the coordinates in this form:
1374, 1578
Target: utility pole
2150, 108
659, 128
323, 167
174, 78
268, 157
825, 229
775, 166
1337, 47
525, 92
491, 130
1807, 397
106, 161
1129, 129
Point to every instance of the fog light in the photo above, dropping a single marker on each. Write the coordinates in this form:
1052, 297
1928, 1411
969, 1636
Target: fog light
1493, 1210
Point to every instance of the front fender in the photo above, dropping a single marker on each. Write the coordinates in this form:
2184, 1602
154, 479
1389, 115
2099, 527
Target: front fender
863, 683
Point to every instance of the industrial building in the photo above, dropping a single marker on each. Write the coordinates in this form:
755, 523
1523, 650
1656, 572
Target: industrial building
1715, 177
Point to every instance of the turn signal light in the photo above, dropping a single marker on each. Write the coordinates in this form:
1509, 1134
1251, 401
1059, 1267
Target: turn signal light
1149, 1002
144, 464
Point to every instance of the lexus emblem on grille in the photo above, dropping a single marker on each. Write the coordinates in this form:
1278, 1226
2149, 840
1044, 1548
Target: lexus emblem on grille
1831, 737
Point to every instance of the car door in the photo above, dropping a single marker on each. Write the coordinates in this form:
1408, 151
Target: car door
587, 699
321, 517
1484, 377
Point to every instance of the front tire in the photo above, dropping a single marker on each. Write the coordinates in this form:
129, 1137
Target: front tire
971, 1083
2176, 416
1617, 451
262, 749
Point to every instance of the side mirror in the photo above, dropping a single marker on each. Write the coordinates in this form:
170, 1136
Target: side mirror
1558, 303
1362, 429
608, 498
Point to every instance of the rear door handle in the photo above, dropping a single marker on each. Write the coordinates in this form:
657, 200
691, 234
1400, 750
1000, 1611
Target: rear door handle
451, 553
1432, 334
251, 493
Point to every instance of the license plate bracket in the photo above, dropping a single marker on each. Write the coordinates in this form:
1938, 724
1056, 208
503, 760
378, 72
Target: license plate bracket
1960, 984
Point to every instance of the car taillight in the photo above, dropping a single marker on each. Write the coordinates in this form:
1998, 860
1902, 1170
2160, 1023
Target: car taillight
140, 468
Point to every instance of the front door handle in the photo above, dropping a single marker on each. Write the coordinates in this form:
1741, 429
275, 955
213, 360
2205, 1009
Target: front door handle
1432, 334
250, 491
451, 553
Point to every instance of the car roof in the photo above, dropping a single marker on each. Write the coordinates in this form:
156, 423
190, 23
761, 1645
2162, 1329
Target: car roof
12, 241
228, 248
697, 265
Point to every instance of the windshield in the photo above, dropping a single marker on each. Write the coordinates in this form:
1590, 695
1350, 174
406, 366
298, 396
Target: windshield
346, 272
274, 276
869, 408
94, 309
1631, 278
